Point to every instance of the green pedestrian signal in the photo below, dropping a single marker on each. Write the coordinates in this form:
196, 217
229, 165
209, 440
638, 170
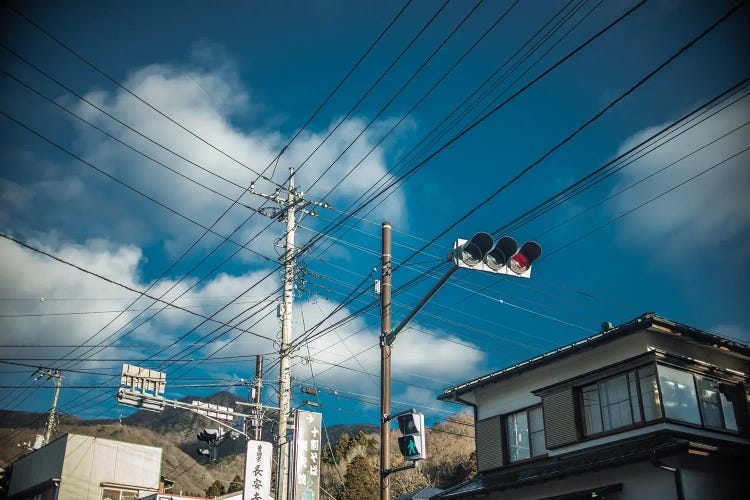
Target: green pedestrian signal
412, 443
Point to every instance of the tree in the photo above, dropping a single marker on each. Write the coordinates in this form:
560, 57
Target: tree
216, 489
361, 480
236, 485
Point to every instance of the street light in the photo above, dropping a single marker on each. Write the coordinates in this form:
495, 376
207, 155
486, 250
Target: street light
479, 253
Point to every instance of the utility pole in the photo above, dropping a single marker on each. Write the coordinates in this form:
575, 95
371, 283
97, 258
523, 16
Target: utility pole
385, 364
49, 429
294, 202
257, 386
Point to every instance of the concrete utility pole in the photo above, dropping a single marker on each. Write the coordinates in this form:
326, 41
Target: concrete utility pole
294, 202
49, 429
385, 364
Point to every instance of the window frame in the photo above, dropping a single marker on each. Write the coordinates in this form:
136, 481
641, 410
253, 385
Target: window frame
674, 364
120, 490
506, 436
641, 412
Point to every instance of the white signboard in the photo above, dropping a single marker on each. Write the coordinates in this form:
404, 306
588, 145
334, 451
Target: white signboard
144, 379
258, 470
212, 410
306, 454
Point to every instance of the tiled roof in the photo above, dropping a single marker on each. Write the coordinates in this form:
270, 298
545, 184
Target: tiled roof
644, 321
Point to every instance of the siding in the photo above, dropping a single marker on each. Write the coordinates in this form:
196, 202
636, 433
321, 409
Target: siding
489, 439
560, 418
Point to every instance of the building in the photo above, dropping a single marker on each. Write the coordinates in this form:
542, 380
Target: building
74, 467
648, 409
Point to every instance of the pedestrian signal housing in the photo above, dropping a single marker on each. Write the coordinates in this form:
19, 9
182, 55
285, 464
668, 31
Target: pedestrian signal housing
412, 442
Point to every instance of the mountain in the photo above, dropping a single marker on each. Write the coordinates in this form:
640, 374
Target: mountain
450, 446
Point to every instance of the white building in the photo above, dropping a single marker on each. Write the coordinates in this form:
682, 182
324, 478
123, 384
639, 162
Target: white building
74, 467
648, 409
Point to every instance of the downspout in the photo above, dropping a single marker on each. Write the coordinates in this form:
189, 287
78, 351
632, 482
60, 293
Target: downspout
677, 475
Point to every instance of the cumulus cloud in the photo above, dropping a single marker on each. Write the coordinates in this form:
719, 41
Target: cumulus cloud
73, 211
708, 213
208, 99
48, 297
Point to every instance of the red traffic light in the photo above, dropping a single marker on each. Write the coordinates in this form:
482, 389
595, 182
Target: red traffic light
521, 262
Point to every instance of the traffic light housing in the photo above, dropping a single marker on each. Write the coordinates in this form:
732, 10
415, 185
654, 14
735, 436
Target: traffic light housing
498, 257
482, 253
412, 442
212, 437
473, 251
521, 262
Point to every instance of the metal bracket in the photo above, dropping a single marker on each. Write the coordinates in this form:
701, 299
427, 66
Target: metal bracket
387, 472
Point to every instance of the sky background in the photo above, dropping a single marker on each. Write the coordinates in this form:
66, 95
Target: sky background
130, 128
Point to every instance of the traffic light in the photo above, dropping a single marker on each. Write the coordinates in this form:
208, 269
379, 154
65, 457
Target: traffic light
529, 252
474, 250
212, 437
499, 256
412, 443
483, 254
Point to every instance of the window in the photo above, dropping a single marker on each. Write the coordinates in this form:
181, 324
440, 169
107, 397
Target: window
526, 434
118, 494
697, 400
678, 392
649, 392
653, 392
616, 402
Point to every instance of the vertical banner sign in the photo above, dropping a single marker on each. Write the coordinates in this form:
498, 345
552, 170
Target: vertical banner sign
258, 470
305, 479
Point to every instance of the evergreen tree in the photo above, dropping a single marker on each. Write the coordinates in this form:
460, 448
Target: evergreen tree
216, 489
361, 480
236, 485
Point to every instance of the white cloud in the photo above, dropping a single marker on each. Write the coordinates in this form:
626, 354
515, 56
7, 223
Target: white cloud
708, 213
422, 360
419, 359
207, 97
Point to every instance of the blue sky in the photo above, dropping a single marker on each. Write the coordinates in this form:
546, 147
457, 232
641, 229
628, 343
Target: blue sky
663, 233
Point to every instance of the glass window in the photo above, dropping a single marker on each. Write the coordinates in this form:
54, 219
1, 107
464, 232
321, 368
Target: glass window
726, 395
592, 414
518, 436
679, 396
708, 390
526, 434
615, 402
649, 393
536, 432
118, 494
634, 406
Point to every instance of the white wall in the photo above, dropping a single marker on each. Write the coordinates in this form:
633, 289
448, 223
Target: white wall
515, 392
91, 461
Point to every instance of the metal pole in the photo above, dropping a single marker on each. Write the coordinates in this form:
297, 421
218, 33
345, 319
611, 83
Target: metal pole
50, 428
285, 365
391, 336
258, 385
385, 364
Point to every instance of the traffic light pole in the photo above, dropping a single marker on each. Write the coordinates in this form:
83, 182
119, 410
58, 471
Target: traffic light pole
469, 254
385, 364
